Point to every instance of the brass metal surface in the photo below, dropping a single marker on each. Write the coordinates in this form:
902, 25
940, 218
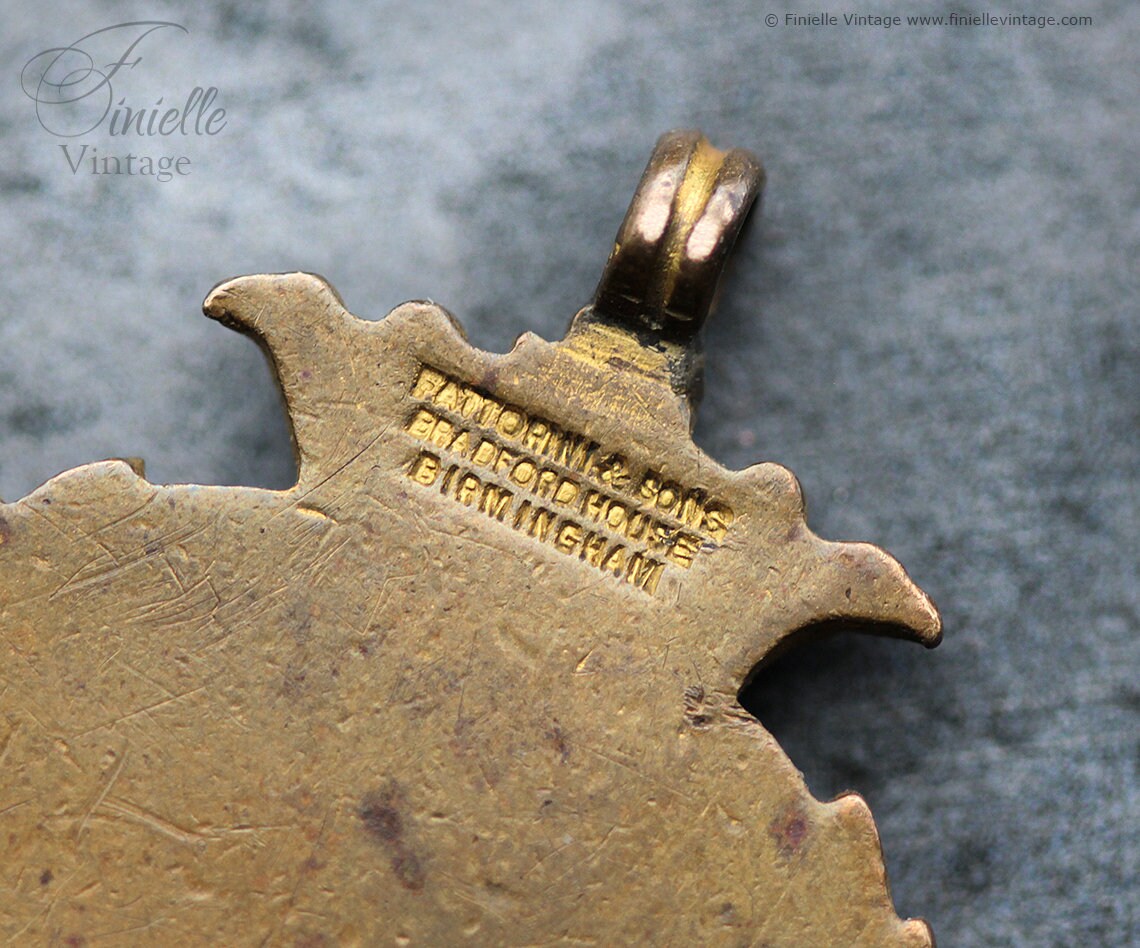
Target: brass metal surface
473, 679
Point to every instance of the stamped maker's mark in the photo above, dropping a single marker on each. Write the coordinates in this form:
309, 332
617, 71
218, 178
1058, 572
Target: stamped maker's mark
556, 485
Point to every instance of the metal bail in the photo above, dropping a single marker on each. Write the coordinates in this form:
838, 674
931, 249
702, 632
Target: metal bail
662, 275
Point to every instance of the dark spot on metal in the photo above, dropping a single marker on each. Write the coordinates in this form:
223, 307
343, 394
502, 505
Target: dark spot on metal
46, 877
381, 819
790, 831
406, 866
5, 531
557, 737
380, 814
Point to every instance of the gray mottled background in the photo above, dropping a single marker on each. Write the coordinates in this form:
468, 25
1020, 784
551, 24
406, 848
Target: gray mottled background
934, 324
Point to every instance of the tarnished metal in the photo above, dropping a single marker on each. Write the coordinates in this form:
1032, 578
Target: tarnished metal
473, 679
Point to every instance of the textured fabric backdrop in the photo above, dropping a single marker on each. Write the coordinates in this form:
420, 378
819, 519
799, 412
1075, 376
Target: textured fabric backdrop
934, 324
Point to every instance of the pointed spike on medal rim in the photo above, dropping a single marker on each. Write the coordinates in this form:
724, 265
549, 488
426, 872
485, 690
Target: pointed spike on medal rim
301, 324
840, 585
863, 583
287, 313
246, 303
661, 279
310, 338
851, 581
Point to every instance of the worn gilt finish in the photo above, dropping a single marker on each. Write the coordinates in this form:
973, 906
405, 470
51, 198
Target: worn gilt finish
473, 679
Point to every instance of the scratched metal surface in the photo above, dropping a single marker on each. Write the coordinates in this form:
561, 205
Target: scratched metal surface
934, 326
425, 697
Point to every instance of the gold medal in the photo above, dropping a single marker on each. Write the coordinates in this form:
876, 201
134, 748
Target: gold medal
473, 679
